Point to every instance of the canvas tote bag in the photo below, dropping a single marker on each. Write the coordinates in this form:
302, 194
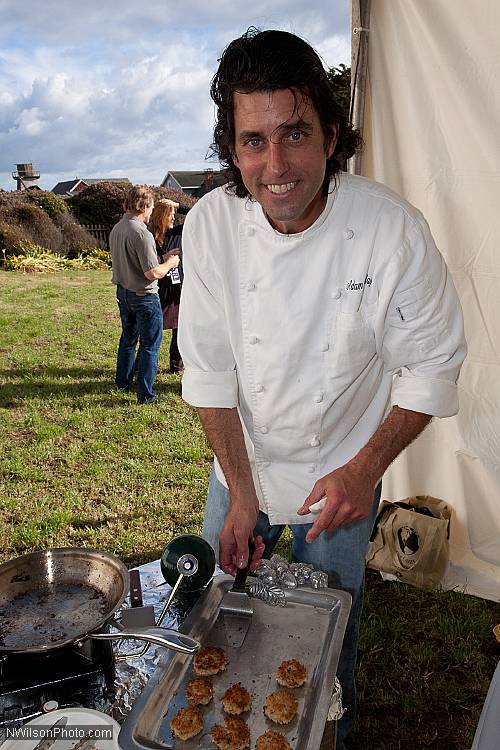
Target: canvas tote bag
410, 539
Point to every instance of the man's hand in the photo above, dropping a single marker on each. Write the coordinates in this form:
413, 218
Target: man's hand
349, 490
175, 251
172, 261
233, 540
349, 498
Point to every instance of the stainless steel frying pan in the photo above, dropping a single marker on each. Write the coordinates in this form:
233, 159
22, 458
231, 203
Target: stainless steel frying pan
58, 597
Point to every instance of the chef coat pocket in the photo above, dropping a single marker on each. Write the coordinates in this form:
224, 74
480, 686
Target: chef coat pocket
352, 346
416, 320
409, 304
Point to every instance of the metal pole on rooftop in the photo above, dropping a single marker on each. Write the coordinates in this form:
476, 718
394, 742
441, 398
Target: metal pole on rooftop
360, 28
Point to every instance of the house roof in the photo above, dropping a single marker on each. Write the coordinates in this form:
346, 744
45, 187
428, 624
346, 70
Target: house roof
65, 188
197, 183
188, 179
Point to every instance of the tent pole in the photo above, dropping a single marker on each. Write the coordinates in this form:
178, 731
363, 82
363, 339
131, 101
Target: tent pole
360, 26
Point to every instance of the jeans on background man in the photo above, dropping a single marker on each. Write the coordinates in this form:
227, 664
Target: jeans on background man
142, 319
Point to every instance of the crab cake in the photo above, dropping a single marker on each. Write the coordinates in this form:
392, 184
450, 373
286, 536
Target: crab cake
272, 740
291, 674
199, 692
209, 660
236, 699
187, 723
234, 735
281, 706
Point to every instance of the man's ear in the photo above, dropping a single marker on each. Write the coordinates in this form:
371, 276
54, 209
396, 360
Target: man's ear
234, 156
331, 143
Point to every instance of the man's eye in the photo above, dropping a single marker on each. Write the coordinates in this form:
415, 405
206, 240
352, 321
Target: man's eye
296, 136
254, 142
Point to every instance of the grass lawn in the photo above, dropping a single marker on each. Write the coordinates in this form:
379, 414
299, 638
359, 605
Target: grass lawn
82, 465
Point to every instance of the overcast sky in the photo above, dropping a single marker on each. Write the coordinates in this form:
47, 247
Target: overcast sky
101, 88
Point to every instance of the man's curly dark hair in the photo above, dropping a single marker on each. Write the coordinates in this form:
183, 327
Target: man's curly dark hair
269, 61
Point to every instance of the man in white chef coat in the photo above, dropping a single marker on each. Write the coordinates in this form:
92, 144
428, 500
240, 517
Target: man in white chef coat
319, 328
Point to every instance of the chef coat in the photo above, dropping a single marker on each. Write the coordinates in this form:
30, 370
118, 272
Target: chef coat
314, 336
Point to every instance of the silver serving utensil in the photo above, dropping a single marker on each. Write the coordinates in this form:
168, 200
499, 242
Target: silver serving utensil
53, 734
85, 743
236, 606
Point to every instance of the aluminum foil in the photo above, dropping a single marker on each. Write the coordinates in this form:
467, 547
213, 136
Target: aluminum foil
267, 592
279, 572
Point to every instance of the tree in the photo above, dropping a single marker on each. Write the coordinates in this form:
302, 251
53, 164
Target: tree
102, 203
340, 81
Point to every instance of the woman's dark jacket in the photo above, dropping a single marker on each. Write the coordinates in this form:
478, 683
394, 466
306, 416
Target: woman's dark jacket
170, 293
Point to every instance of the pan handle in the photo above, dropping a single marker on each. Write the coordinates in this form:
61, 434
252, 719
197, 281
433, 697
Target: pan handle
165, 637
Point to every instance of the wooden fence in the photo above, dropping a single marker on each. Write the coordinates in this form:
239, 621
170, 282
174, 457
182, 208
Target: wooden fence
99, 231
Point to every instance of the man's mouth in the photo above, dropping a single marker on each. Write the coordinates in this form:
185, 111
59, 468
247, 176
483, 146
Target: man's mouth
281, 189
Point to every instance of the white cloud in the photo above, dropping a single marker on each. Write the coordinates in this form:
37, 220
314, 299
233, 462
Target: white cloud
30, 122
98, 89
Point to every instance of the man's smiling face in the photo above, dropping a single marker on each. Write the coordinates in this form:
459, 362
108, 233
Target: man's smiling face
280, 149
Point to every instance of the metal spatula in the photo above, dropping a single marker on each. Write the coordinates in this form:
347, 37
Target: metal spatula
236, 606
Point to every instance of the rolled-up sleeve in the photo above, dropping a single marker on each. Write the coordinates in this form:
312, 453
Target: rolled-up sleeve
209, 378
422, 334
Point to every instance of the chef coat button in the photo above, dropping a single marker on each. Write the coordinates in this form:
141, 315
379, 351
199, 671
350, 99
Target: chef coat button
311, 468
253, 339
348, 234
318, 398
264, 430
337, 294
250, 231
315, 441
250, 286
259, 388
325, 346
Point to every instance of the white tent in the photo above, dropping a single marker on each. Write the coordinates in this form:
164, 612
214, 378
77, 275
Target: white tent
431, 126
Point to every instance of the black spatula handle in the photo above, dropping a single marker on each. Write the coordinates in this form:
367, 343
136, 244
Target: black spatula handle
241, 573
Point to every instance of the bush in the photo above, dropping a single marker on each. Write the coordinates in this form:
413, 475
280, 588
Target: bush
102, 203
33, 258
7, 203
74, 236
52, 204
92, 257
174, 195
37, 225
10, 239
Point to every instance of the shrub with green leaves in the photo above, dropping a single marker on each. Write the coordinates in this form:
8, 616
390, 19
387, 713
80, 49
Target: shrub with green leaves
52, 204
10, 238
33, 258
37, 225
74, 236
174, 195
102, 203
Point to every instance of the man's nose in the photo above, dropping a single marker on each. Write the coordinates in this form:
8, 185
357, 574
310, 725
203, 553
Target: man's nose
277, 162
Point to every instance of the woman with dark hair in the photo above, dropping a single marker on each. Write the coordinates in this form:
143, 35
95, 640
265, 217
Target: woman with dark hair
168, 243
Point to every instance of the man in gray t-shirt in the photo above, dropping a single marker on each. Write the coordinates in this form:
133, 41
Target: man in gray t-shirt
136, 271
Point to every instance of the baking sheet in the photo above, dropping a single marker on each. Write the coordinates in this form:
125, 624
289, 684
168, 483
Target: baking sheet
310, 628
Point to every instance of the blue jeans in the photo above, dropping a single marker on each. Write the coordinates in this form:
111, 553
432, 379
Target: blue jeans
142, 320
341, 555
